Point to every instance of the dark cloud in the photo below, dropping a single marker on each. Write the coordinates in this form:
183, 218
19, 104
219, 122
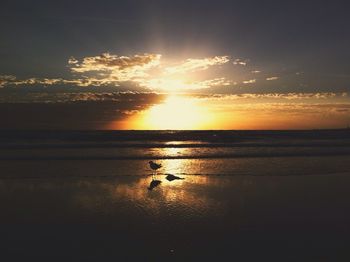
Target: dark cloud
76, 111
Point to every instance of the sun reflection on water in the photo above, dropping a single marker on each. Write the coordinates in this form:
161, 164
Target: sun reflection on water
189, 193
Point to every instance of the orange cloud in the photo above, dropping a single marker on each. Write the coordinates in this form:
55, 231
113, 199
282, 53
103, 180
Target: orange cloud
192, 65
272, 78
252, 81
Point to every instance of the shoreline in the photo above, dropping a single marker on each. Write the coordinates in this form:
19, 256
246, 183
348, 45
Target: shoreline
280, 217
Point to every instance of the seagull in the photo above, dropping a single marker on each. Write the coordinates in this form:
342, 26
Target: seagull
154, 166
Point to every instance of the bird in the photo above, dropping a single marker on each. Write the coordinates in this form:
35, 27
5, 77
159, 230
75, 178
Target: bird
154, 166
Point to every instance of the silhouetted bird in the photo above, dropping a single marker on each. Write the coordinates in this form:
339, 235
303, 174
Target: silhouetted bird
154, 166
171, 177
154, 183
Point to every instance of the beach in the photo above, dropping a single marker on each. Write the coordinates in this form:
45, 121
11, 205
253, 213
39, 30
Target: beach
57, 206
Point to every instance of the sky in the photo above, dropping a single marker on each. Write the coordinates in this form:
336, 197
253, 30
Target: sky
191, 64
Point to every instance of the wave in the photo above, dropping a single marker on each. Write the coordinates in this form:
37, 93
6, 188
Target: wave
165, 157
182, 175
181, 135
171, 145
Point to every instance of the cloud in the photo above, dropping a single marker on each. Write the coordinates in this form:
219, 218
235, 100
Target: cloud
108, 62
180, 84
13, 81
144, 71
252, 81
71, 97
105, 69
241, 62
303, 109
112, 69
276, 96
85, 110
41, 81
216, 82
192, 65
82, 82
272, 78
279, 111
92, 81
5, 79
72, 61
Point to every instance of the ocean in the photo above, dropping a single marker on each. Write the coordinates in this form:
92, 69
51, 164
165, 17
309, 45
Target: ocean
268, 153
242, 195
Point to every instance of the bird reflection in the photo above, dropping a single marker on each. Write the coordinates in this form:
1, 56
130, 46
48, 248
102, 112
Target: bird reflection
154, 183
171, 177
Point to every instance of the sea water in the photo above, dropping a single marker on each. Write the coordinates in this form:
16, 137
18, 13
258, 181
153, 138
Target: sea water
247, 195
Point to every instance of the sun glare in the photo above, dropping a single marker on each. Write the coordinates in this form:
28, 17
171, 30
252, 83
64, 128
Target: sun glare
175, 113
171, 85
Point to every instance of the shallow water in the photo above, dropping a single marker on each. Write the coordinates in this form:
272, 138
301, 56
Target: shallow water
262, 166
103, 210
288, 201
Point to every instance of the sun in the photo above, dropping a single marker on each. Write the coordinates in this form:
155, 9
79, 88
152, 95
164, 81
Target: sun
176, 113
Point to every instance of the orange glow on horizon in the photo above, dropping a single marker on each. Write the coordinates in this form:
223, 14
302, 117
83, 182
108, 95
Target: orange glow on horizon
186, 112
176, 113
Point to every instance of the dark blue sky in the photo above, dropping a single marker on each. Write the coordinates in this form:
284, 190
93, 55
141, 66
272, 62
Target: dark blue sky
62, 56
38, 37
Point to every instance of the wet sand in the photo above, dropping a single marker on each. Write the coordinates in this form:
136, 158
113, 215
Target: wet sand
104, 217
